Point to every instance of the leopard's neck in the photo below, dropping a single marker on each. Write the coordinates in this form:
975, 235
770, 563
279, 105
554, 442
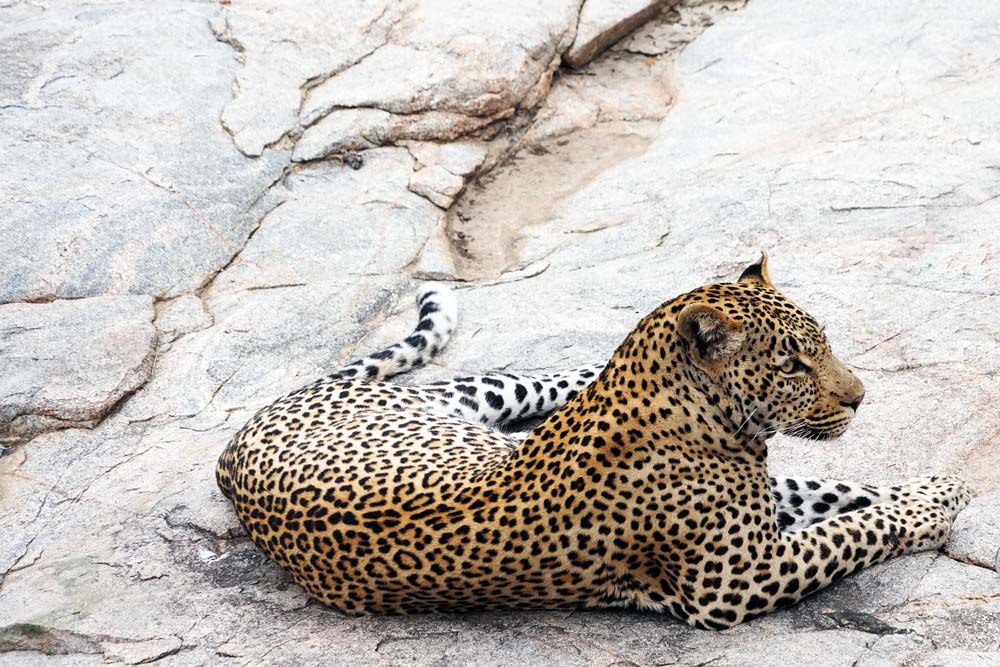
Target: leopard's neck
645, 406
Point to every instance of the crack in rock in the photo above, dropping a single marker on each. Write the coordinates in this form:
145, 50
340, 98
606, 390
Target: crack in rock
604, 22
210, 280
862, 622
590, 121
974, 562
103, 348
55, 641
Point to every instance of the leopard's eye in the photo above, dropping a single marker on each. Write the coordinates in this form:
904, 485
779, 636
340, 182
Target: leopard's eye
793, 366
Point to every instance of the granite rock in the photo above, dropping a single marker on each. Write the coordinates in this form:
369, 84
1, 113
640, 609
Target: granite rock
437, 184
66, 364
109, 121
604, 22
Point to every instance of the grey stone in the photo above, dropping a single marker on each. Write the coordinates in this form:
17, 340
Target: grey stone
342, 131
477, 61
604, 22
355, 129
441, 74
437, 184
180, 316
414, 70
336, 223
976, 534
436, 260
113, 152
284, 49
458, 157
65, 364
681, 24
141, 652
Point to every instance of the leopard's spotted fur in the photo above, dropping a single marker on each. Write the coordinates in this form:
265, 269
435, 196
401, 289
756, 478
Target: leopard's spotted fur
648, 488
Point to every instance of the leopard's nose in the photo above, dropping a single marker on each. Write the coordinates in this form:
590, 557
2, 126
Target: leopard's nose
855, 402
852, 391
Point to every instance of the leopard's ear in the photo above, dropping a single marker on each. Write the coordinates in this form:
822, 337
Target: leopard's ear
757, 273
712, 335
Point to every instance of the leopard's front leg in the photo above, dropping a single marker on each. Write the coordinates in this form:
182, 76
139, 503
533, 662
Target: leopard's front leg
761, 571
801, 501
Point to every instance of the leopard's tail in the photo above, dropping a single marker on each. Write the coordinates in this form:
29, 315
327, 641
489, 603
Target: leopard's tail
437, 318
435, 324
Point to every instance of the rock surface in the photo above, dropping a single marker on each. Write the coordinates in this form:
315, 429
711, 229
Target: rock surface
437, 184
976, 534
604, 22
176, 153
107, 138
66, 364
400, 70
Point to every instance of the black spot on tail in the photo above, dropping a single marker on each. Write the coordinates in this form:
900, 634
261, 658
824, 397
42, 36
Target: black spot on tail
417, 341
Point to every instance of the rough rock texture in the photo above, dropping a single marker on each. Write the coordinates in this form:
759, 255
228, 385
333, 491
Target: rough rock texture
437, 184
680, 24
603, 22
857, 142
109, 123
458, 157
286, 46
418, 69
470, 60
66, 364
346, 130
976, 538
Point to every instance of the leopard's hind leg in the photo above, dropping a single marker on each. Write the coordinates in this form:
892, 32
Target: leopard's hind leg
500, 399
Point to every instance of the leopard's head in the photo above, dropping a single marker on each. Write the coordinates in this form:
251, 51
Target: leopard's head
769, 357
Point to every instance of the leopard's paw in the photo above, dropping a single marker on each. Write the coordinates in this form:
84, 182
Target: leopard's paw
949, 491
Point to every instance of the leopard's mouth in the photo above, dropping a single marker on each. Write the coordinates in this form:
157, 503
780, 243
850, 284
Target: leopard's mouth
828, 429
825, 427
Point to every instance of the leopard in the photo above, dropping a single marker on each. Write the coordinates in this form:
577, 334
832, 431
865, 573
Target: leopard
645, 483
